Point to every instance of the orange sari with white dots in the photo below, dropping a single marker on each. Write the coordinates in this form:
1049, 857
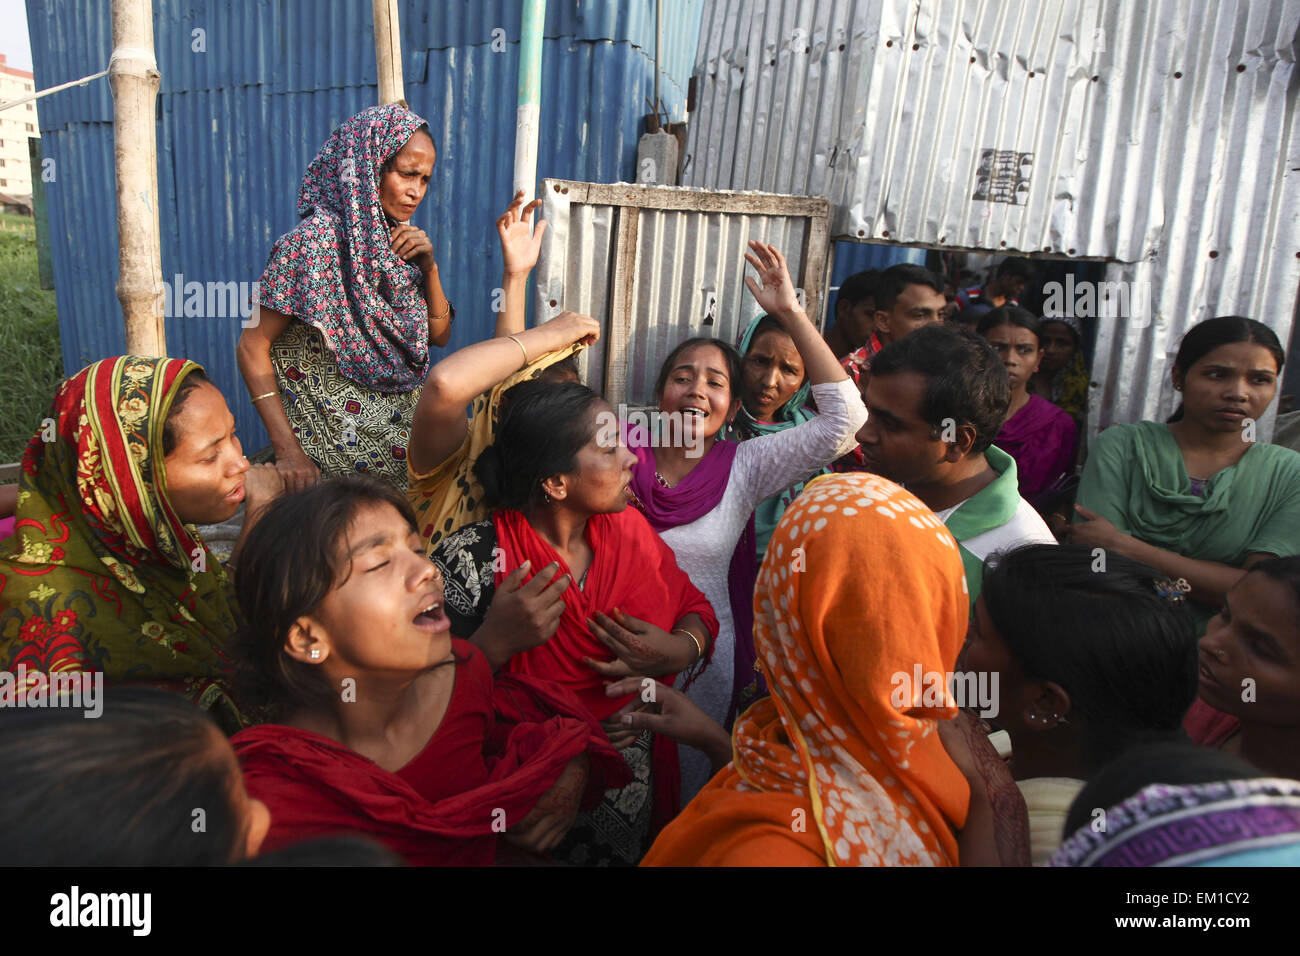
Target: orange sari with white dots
861, 583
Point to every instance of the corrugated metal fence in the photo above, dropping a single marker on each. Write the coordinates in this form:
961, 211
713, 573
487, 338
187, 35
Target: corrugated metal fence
661, 264
1160, 137
251, 89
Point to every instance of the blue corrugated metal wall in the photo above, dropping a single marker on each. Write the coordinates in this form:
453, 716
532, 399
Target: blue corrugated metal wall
240, 121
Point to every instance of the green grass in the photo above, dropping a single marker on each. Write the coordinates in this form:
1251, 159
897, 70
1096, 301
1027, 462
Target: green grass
31, 364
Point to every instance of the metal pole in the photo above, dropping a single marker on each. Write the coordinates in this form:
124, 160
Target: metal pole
659, 45
134, 79
527, 112
388, 51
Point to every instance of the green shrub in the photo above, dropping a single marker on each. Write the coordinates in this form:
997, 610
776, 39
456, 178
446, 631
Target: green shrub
31, 364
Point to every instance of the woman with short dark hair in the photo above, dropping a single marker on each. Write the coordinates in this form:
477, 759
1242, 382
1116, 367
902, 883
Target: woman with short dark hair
1091, 657
151, 781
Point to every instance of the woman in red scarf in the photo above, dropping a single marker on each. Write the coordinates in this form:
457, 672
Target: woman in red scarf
607, 598
388, 726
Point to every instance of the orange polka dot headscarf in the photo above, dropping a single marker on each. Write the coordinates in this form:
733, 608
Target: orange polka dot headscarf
861, 591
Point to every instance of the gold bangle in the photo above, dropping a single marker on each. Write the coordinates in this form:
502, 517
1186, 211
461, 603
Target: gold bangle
439, 318
521, 347
694, 639
267, 395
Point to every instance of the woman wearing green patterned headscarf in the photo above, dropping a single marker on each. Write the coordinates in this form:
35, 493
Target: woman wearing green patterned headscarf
105, 571
774, 396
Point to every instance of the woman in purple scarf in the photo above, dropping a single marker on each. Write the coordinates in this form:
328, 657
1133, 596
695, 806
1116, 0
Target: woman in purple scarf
349, 304
700, 492
1042, 438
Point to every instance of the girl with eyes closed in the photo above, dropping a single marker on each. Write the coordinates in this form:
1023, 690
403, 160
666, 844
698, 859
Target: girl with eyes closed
700, 493
388, 726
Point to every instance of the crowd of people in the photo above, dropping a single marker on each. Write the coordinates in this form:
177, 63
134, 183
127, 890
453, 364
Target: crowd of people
861, 599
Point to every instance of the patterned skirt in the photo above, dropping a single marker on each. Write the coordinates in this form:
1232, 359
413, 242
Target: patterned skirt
616, 833
343, 427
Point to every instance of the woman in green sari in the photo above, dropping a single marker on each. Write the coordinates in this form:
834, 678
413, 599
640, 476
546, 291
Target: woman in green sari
106, 571
1198, 497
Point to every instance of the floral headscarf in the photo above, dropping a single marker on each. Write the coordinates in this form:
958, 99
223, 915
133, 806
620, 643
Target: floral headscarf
335, 270
104, 575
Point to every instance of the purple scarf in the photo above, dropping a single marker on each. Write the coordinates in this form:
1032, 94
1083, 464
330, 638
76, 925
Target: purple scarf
1043, 440
335, 270
697, 495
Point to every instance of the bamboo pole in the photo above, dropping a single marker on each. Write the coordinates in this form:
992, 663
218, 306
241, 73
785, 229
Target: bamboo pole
388, 51
134, 79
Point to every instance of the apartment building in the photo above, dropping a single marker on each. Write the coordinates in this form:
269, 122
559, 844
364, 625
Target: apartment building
17, 125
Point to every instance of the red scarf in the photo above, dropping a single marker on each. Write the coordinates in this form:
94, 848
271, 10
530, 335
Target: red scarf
632, 570
315, 786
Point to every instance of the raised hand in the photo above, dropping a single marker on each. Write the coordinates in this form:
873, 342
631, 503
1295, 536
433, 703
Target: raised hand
521, 243
776, 295
263, 484
574, 327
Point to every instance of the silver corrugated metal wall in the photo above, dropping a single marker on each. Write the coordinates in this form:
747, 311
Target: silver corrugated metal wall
1161, 137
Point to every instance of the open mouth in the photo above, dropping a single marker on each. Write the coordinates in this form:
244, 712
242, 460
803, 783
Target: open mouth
237, 495
433, 618
694, 413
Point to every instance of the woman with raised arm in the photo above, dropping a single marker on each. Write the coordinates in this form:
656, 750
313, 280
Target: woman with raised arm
442, 485
566, 583
700, 491
349, 304
106, 570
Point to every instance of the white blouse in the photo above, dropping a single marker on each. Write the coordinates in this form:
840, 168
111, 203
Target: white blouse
762, 467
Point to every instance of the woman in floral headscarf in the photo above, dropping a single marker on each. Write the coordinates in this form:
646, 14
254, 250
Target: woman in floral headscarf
105, 571
841, 765
348, 306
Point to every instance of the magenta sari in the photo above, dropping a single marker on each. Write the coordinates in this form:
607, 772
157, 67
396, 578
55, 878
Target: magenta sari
1043, 440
